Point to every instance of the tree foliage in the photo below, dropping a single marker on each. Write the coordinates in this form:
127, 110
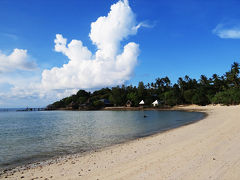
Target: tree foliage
217, 89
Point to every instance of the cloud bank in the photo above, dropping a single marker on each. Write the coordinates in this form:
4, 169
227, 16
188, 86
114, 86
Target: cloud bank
17, 60
110, 65
225, 31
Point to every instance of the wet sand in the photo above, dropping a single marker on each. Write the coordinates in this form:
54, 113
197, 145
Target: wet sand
207, 149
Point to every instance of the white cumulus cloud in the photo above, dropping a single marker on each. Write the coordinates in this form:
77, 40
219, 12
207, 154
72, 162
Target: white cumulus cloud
109, 65
17, 60
226, 31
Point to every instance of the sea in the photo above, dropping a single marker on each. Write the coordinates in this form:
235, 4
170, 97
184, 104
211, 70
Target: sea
33, 136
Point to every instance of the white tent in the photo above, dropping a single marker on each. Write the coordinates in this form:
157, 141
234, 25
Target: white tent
155, 103
142, 102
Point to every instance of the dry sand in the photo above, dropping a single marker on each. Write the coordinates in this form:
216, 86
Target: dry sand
207, 149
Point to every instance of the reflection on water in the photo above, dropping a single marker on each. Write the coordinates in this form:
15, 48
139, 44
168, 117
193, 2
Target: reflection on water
31, 136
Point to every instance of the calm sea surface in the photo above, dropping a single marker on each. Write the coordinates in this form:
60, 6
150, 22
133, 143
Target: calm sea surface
32, 136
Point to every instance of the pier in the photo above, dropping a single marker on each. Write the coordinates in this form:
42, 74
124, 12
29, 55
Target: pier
33, 109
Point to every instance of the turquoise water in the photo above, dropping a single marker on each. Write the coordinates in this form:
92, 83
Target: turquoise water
32, 136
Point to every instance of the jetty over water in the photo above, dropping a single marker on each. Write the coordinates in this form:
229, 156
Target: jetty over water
33, 109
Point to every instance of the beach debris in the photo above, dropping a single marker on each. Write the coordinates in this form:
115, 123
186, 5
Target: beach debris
34, 178
214, 159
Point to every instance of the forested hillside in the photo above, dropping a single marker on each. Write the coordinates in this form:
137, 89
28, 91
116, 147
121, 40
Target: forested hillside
224, 89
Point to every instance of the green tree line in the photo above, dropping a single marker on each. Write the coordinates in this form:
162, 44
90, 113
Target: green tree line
217, 89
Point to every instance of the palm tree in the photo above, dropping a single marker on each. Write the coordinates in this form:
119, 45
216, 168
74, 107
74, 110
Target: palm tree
187, 78
181, 84
204, 80
235, 74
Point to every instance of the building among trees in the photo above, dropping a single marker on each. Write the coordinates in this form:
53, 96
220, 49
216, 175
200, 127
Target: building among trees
128, 103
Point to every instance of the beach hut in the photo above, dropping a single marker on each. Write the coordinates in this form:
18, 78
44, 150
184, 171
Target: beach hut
155, 103
128, 103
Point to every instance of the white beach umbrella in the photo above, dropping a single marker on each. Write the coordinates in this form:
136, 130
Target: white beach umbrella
142, 102
155, 103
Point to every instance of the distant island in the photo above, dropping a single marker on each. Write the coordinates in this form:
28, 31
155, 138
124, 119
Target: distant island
217, 89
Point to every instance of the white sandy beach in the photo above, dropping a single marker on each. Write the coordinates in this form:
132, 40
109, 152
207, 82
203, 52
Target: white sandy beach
207, 149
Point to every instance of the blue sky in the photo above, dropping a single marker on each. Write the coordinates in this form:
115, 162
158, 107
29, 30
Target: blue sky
190, 37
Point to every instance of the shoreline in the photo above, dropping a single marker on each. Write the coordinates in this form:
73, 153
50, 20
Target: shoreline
47, 161
124, 108
110, 160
